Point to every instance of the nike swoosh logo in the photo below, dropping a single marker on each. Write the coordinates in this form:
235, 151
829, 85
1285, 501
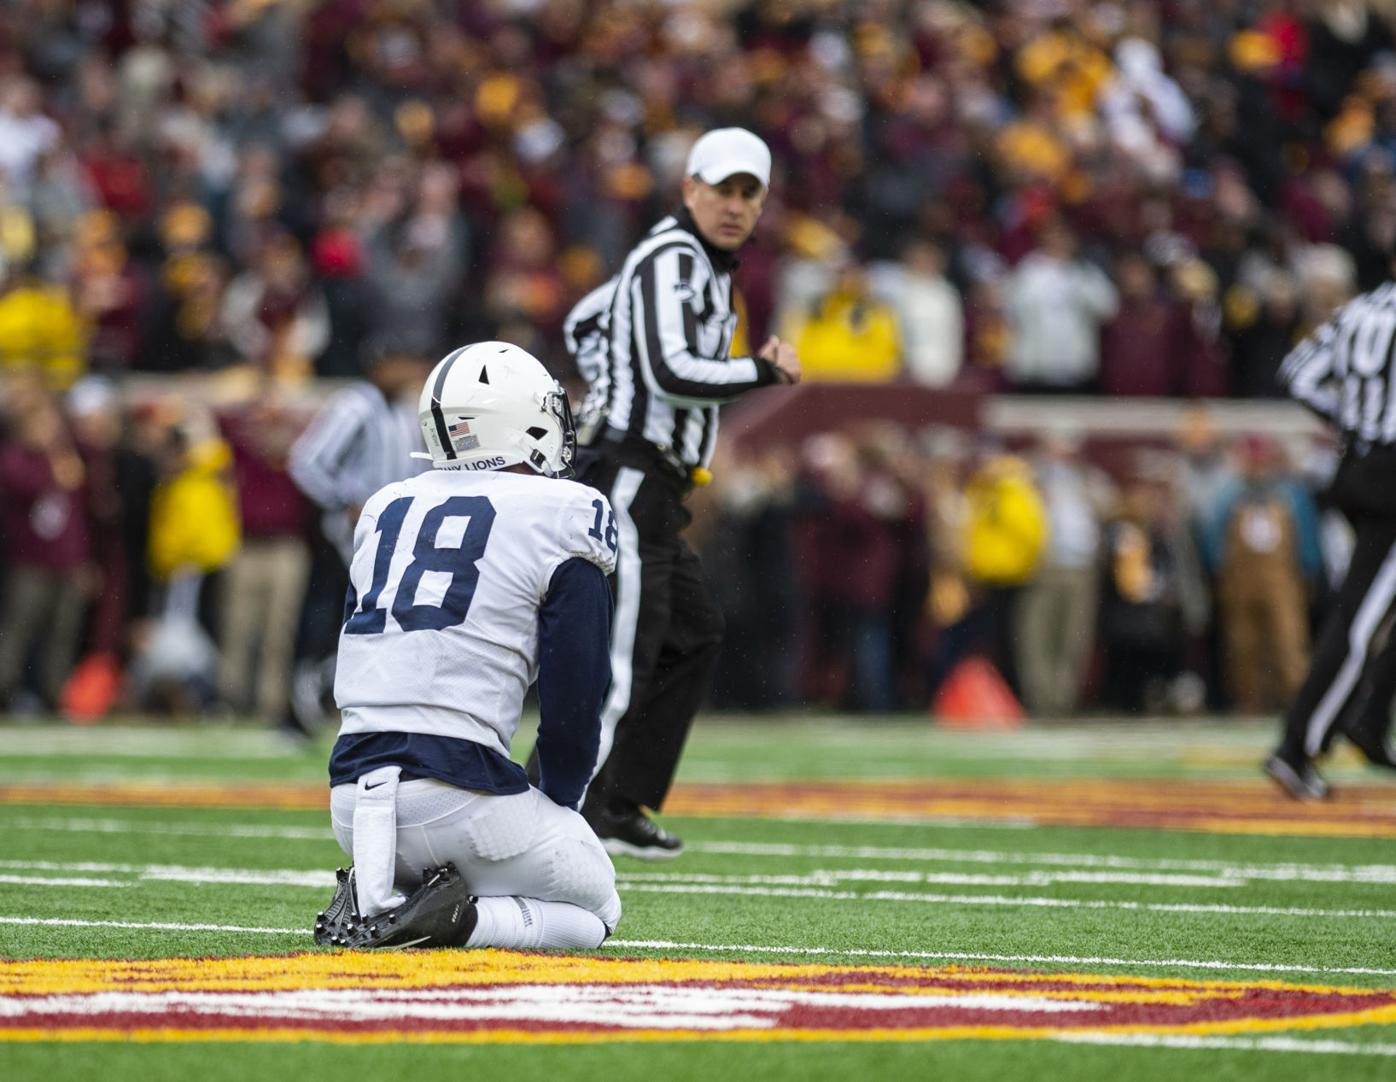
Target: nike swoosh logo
378, 786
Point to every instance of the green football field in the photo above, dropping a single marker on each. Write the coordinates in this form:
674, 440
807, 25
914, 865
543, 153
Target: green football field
858, 899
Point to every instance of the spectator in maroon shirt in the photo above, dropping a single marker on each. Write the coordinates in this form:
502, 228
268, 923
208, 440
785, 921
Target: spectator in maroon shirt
854, 515
95, 411
264, 583
44, 519
1138, 354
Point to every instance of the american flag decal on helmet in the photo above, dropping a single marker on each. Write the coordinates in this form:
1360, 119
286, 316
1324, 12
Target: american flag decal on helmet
461, 437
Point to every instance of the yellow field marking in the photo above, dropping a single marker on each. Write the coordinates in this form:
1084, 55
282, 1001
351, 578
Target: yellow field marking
427, 969
264, 795
423, 969
444, 969
1225, 807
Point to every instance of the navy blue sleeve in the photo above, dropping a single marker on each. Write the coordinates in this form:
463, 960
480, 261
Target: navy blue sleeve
574, 674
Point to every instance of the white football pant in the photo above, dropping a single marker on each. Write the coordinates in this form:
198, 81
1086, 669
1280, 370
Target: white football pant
540, 873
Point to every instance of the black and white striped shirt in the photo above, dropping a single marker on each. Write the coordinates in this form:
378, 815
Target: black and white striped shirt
1344, 370
653, 344
357, 443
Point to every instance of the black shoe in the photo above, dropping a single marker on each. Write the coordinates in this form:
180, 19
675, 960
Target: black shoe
1374, 746
439, 913
1302, 781
634, 834
341, 916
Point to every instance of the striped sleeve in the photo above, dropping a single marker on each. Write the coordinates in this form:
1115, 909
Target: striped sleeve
323, 461
663, 293
584, 330
1307, 372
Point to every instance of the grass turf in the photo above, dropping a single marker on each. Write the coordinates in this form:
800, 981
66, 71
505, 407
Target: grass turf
898, 887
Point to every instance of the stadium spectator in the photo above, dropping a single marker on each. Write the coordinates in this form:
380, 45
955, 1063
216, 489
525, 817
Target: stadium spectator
97, 417
1055, 622
360, 439
1055, 304
1142, 351
848, 334
929, 311
1264, 329
265, 581
26, 132
194, 534
194, 525
1005, 534
274, 314
40, 330
1262, 545
1153, 599
43, 516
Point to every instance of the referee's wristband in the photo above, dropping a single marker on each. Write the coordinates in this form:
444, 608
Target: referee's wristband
770, 373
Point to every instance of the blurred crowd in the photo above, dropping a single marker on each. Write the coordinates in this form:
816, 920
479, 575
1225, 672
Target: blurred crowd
156, 553
153, 554
859, 570
1090, 195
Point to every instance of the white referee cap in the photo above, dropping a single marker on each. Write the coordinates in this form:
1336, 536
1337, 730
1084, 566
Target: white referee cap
725, 152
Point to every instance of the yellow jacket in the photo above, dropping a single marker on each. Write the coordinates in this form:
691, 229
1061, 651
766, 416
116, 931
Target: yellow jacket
1006, 524
849, 338
194, 516
40, 329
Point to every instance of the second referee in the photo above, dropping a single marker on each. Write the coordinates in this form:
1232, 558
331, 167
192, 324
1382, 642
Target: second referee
1346, 373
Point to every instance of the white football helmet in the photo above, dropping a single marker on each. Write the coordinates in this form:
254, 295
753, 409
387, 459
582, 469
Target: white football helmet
491, 405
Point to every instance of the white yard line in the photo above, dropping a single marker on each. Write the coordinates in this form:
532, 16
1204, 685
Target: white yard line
1234, 1044
1316, 873
759, 884
828, 877
157, 926
62, 881
180, 873
822, 952
1000, 900
1283, 872
189, 829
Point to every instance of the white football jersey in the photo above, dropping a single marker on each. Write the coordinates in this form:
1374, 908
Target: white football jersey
449, 570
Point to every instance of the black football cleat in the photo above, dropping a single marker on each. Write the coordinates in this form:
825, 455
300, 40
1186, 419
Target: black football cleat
439, 913
634, 834
1374, 746
341, 915
1301, 782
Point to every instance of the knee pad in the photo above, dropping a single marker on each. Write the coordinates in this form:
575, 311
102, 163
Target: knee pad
610, 913
584, 875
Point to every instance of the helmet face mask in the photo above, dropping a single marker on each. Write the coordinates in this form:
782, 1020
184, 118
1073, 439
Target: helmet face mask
555, 404
492, 405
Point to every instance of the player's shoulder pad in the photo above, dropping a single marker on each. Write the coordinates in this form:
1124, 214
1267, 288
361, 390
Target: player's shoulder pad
587, 525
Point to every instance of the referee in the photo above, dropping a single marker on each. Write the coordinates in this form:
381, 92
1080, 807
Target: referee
653, 344
361, 439
1345, 373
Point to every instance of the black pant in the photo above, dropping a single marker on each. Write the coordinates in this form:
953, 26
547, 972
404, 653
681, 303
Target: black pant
665, 634
1355, 646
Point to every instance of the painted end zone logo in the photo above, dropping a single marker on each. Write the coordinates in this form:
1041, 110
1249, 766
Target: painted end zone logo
508, 997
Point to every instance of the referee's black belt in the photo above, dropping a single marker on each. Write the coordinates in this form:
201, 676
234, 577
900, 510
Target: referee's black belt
664, 460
